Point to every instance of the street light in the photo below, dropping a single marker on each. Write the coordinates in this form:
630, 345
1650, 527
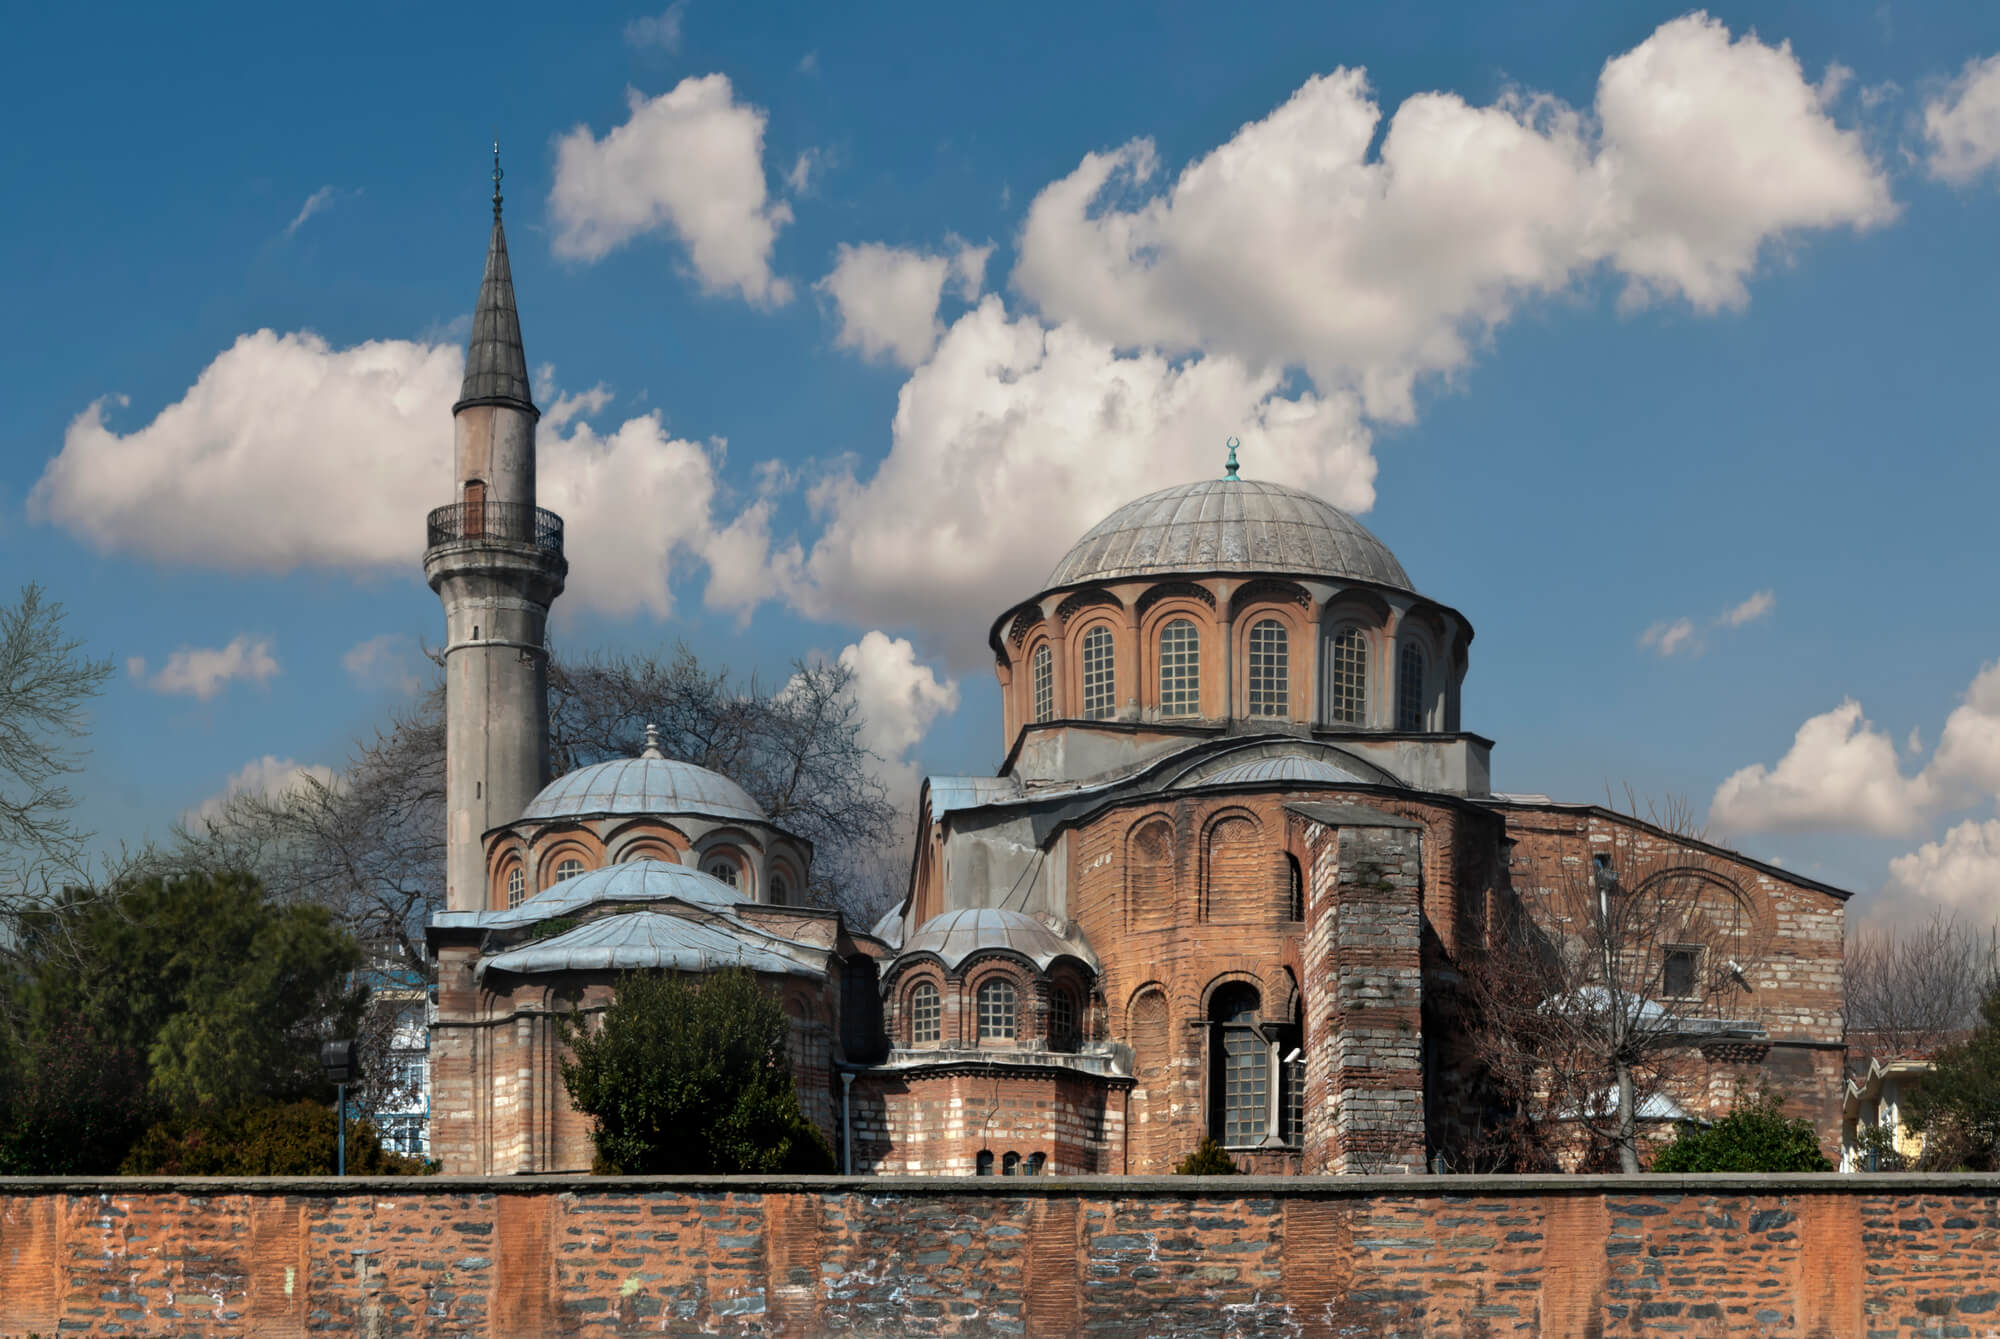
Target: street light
342, 1067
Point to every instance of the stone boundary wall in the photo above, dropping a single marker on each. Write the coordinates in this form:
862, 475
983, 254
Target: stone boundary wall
1817, 1257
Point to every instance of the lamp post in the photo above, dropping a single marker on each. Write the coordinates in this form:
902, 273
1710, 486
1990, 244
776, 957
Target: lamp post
342, 1068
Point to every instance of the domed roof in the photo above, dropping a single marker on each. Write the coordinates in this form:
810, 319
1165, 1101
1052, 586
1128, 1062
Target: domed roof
649, 784
955, 936
627, 881
1284, 767
1230, 525
644, 941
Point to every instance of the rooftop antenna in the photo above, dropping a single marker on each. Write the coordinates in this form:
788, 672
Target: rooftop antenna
1229, 468
497, 174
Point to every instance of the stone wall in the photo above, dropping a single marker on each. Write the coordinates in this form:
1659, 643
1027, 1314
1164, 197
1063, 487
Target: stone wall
1795, 1256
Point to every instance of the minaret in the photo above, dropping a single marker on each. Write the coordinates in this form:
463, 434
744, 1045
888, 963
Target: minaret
496, 561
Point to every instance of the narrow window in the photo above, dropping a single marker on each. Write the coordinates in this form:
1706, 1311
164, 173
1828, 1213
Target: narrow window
1062, 1021
1180, 669
1347, 677
996, 1011
517, 886
925, 1014
1010, 1164
1677, 974
1099, 695
1295, 906
780, 891
568, 868
1270, 669
1292, 1117
1035, 1163
1410, 687
1242, 1080
1045, 683
983, 1164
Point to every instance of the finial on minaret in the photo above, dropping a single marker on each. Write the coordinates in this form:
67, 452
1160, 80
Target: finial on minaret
497, 174
653, 749
1229, 468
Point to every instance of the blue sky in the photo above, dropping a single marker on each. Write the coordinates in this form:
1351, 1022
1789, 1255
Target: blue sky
1604, 318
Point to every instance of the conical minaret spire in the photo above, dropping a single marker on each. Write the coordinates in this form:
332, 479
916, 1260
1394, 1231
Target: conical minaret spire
496, 366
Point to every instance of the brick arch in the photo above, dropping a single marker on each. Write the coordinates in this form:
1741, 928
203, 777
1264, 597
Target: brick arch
901, 1022
1149, 873
1025, 691
990, 969
1122, 651
1153, 620
551, 849
1149, 1032
1232, 976
1191, 591
1238, 870
1301, 646
1082, 600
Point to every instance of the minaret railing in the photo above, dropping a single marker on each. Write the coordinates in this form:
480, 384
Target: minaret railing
507, 522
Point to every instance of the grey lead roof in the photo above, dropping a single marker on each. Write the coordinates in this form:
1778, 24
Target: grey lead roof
496, 367
1230, 525
957, 935
648, 785
643, 940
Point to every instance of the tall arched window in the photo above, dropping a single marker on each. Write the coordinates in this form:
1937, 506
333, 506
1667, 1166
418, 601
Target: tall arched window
1270, 669
1062, 1021
1410, 687
1180, 669
1100, 696
925, 1014
996, 1011
1347, 677
517, 887
1239, 1109
568, 868
1044, 675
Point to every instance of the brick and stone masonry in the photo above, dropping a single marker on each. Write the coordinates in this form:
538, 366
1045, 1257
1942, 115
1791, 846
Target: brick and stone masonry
1811, 1257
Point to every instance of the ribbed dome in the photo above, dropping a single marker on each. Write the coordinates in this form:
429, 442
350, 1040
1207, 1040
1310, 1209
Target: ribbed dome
955, 936
628, 881
1230, 525
1284, 767
644, 786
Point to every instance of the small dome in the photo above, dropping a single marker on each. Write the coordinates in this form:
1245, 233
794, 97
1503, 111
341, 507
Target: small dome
648, 785
628, 881
1284, 767
644, 941
1230, 525
955, 936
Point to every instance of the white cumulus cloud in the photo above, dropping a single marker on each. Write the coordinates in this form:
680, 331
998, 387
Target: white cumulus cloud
690, 161
389, 660
1757, 606
1967, 760
1292, 246
1962, 124
887, 297
1961, 870
269, 777
900, 699
1840, 773
201, 672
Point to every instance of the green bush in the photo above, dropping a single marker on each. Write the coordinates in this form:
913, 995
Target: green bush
691, 1076
1208, 1160
75, 1102
1755, 1137
264, 1139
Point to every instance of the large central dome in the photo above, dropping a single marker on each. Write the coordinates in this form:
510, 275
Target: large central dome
1230, 525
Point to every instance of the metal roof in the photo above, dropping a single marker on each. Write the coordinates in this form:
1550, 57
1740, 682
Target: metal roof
640, 940
955, 936
496, 366
630, 881
644, 786
1285, 767
1230, 525
970, 792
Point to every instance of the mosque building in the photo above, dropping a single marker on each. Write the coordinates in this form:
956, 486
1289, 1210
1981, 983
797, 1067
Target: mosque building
1219, 885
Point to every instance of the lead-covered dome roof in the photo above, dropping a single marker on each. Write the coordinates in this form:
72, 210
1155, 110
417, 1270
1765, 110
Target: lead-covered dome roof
645, 785
1230, 525
955, 936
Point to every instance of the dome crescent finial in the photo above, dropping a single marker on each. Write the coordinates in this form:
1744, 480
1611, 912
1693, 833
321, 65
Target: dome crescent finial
1229, 467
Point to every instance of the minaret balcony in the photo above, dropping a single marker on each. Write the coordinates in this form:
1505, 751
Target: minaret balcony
494, 522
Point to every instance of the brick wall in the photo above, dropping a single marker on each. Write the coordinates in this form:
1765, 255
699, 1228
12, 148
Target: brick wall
1805, 1257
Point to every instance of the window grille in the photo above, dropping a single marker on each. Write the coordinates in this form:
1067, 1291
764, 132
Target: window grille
569, 868
724, 870
1010, 1164
517, 887
1180, 669
926, 1013
1347, 677
1292, 1117
1034, 1164
1062, 1021
1270, 669
1410, 687
780, 890
996, 1011
1245, 1085
1099, 693
1045, 683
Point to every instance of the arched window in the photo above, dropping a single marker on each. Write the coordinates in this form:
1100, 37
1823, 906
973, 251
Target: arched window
1270, 669
1239, 1108
723, 868
1296, 903
1044, 674
1149, 877
1347, 677
517, 887
780, 890
926, 1015
996, 1011
1410, 687
1180, 669
1010, 1164
1062, 1021
568, 868
1034, 1164
983, 1164
1100, 695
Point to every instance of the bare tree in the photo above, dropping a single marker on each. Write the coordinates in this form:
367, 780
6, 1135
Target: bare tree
45, 682
1913, 991
1600, 983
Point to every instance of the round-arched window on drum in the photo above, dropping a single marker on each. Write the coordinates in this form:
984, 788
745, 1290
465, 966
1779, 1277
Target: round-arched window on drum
1044, 676
995, 1002
1347, 677
1180, 669
1270, 669
926, 1015
1100, 694
1410, 687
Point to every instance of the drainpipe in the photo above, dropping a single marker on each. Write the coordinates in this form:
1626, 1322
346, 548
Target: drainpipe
846, 1122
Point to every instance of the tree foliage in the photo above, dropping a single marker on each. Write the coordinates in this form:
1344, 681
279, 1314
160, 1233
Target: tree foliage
263, 1139
1755, 1137
1209, 1159
691, 1076
1957, 1105
71, 1102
